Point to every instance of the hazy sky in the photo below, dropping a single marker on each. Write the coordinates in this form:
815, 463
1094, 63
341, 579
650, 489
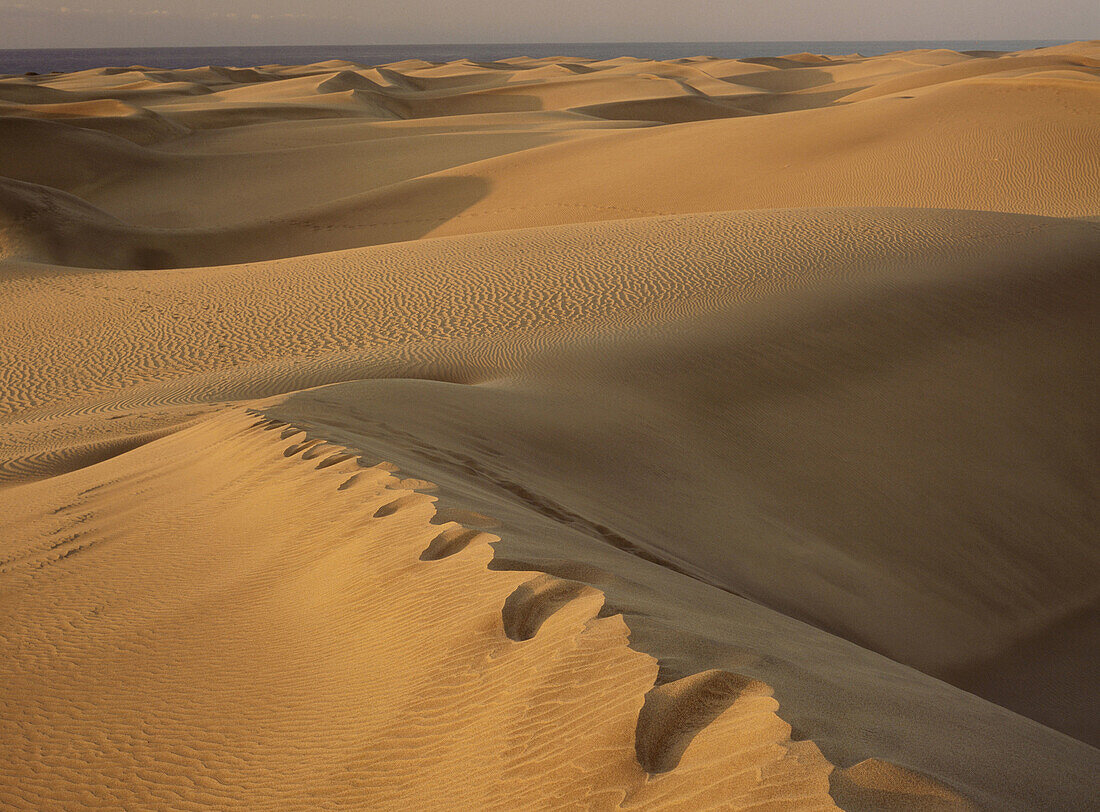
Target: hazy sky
91, 23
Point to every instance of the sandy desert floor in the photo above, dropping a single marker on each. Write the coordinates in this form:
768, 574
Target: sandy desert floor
556, 434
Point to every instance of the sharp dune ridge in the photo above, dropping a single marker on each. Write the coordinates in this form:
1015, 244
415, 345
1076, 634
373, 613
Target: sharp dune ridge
552, 433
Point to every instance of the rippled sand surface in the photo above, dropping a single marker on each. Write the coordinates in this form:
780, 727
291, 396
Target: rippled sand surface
552, 434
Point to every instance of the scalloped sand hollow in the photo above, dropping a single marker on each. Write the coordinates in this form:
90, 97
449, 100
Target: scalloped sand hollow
705, 434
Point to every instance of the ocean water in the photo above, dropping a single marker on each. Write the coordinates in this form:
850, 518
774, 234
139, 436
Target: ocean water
68, 59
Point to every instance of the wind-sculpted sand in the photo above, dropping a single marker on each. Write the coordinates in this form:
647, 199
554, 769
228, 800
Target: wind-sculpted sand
706, 434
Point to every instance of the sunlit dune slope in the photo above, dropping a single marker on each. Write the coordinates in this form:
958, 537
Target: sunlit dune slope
86, 347
325, 658
1018, 134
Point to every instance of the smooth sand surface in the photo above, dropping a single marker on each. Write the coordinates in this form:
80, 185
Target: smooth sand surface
704, 434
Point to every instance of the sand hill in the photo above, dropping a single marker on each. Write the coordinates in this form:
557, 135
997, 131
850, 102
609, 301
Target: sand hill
552, 433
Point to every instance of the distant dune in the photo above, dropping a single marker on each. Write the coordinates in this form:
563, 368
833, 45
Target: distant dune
552, 434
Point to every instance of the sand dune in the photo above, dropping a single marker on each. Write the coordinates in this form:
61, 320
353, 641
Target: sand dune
552, 433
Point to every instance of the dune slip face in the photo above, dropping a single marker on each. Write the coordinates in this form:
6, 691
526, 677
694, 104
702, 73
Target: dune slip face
552, 434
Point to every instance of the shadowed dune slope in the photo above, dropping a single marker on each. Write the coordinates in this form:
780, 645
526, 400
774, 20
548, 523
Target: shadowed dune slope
367, 653
897, 131
462, 309
552, 433
872, 397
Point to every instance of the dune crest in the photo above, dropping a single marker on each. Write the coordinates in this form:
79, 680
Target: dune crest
502, 670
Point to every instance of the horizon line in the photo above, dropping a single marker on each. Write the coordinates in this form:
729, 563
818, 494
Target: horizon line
532, 42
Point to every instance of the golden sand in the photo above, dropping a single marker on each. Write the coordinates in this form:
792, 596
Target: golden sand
704, 434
